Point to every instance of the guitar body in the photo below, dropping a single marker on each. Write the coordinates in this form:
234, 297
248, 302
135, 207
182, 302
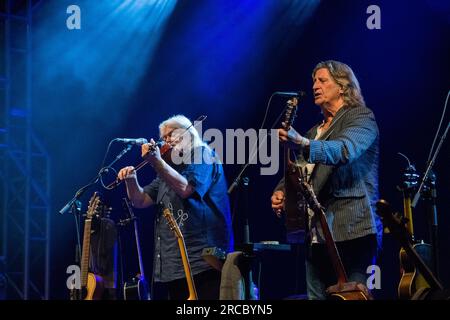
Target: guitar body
348, 291
92, 291
356, 295
94, 288
295, 217
411, 279
411, 287
136, 289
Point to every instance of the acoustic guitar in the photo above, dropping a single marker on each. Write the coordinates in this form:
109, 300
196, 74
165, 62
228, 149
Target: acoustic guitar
411, 279
396, 225
173, 225
91, 284
343, 290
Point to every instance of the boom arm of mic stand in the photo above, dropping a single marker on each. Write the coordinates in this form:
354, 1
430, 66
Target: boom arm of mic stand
238, 179
120, 155
80, 192
430, 165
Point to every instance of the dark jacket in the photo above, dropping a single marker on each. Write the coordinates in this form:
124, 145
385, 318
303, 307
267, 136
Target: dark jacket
345, 177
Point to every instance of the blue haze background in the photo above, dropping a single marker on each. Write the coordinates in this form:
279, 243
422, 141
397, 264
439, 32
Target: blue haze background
135, 63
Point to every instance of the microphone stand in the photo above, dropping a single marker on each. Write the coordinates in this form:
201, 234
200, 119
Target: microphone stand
248, 254
245, 166
430, 195
246, 260
429, 183
430, 166
80, 192
74, 205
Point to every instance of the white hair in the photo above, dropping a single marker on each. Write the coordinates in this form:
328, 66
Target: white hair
181, 122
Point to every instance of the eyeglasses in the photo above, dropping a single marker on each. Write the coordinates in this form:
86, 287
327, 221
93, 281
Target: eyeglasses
167, 136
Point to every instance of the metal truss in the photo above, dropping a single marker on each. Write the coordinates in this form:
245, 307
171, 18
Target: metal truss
25, 164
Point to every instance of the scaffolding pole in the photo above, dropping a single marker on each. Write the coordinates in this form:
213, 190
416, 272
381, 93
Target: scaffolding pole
26, 210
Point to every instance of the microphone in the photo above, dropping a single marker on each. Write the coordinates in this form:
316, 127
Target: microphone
290, 94
139, 141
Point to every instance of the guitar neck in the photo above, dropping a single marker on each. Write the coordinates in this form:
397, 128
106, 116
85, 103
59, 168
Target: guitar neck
187, 270
85, 254
184, 256
408, 213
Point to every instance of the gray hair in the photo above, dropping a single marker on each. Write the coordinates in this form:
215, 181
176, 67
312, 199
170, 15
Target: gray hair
181, 122
343, 75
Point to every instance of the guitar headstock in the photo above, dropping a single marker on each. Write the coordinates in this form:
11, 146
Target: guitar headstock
95, 206
410, 178
173, 225
291, 113
393, 220
384, 210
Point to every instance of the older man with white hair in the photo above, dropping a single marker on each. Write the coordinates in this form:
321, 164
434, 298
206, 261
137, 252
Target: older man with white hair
194, 188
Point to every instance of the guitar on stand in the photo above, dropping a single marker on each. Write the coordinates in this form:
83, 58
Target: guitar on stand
411, 279
137, 288
343, 290
396, 225
91, 284
173, 225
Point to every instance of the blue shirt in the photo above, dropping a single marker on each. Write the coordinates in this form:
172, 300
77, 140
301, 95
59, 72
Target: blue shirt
204, 217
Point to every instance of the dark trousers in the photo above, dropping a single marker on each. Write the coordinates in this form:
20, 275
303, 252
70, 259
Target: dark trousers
207, 284
356, 256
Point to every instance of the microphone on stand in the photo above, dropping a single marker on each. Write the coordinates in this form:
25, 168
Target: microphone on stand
139, 141
290, 94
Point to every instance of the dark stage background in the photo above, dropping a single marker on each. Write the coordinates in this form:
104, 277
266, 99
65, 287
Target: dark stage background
131, 65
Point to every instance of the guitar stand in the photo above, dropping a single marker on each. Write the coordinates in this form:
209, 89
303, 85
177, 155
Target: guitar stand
430, 179
247, 260
120, 225
430, 195
246, 263
137, 288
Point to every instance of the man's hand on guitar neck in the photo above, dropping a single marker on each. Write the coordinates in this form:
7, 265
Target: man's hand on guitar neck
278, 202
291, 136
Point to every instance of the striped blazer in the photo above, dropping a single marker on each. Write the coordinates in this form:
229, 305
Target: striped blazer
345, 175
